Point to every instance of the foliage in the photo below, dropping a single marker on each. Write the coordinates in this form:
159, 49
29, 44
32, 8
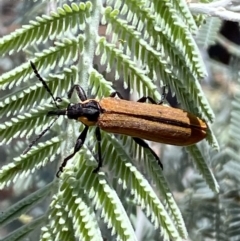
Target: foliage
210, 215
147, 44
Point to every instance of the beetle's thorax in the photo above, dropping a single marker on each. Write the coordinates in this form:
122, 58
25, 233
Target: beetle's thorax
86, 112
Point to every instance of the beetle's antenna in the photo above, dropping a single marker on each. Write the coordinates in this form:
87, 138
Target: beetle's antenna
39, 136
43, 82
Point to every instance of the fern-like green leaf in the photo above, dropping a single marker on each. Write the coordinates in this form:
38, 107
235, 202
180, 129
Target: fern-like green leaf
203, 168
23, 232
71, 213
234, 126
144, 195
182, 10
101, 87
66, 50
25, 124
24, 99
75, 198
155, 172
139, 80
184, 75
25, 204
208, 32
46, 27
25, 164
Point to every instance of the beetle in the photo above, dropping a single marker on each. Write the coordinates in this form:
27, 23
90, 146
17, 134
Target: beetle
140, 120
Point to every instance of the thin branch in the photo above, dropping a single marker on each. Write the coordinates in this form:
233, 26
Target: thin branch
221, 3
231, 47
216, 9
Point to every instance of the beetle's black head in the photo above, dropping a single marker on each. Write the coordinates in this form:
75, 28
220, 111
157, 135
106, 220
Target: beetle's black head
73, 111
89, 110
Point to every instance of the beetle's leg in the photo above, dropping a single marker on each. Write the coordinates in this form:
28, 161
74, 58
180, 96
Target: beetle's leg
164, 94
78, 145
80, 92
99, 138
116, 93
145, 98
59, 99
145, 145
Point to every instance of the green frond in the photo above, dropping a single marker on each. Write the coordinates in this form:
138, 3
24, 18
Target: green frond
184, 77
218, 210
105, 198
23, 232
25, 124
75, 207
112, 210
154, 171
24, 164
143, 52
182, 10
176, 32
188, 103
234, 131
203, 168
47, 233
47, 27
139, 80
64, 51
208, 32
100, 87
71, 214
24, 99
231, 169
211, 139
19, 74
129, 177
25, 204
